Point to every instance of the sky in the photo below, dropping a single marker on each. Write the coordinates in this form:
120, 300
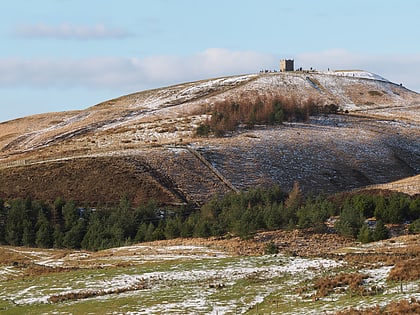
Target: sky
58, 55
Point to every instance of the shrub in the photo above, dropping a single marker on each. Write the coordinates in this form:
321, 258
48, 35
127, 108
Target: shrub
405, 270
203, 130
271, 249
415, 227
324, 286
374, 93
400, 307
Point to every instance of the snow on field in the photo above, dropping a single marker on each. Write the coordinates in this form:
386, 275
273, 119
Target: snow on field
134, 254
207, 269
275, 266
377, 276
206, 277
361, 74
178, 95
190, 279
7, 272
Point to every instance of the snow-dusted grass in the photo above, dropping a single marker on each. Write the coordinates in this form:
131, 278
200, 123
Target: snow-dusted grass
361, 74
186, 279
194, 280
146, 111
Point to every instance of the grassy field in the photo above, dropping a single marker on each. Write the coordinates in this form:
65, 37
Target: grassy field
200, 279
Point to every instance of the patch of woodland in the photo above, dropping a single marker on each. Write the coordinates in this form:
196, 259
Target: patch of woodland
229, 114
66, 224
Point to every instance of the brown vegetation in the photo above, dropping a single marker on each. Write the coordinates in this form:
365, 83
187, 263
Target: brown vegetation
228, 114
303, 242
79, 295
334, 154
388, 252
352, 282
406, 270
403, 307
32, 270
87, 180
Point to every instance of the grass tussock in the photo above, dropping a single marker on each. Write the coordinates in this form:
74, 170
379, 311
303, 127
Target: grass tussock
84, 294
345, 281
406, 270
352, 283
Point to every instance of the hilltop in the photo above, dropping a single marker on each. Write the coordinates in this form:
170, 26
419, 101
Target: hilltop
144, 144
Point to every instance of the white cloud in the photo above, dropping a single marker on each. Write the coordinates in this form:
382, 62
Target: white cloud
68, 31
209, 63
131, 74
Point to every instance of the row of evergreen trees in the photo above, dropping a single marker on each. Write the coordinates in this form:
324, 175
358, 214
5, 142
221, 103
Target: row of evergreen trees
67, 225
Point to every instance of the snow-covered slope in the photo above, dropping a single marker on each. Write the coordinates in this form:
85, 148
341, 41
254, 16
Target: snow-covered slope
134, 123
358, 74
350, 90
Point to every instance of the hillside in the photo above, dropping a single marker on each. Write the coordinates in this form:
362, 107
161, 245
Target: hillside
143, 145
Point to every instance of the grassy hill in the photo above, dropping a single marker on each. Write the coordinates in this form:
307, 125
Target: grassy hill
145, 145
330, 132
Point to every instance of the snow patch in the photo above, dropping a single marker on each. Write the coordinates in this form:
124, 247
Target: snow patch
360, 74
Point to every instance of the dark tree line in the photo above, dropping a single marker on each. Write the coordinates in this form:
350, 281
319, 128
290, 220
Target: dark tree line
228, 115
395, 208
63, 224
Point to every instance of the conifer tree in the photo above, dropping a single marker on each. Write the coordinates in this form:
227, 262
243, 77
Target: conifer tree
92, 240
15, 223
365, 234
3, 216
28, 234
380, 232
149, 233
141, 232
44, 234
58, 237
295, 198
57, 212
350, 222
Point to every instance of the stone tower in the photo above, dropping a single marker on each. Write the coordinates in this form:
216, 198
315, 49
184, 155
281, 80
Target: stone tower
286, 65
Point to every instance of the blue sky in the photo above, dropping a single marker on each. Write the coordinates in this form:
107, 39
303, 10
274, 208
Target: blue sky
70, 54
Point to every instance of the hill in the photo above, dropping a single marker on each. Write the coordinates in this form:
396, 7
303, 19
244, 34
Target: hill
144, 144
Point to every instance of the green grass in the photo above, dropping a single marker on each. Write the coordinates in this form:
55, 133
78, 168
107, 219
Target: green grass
232, 285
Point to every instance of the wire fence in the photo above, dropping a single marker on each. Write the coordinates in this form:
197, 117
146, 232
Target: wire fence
14, 163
